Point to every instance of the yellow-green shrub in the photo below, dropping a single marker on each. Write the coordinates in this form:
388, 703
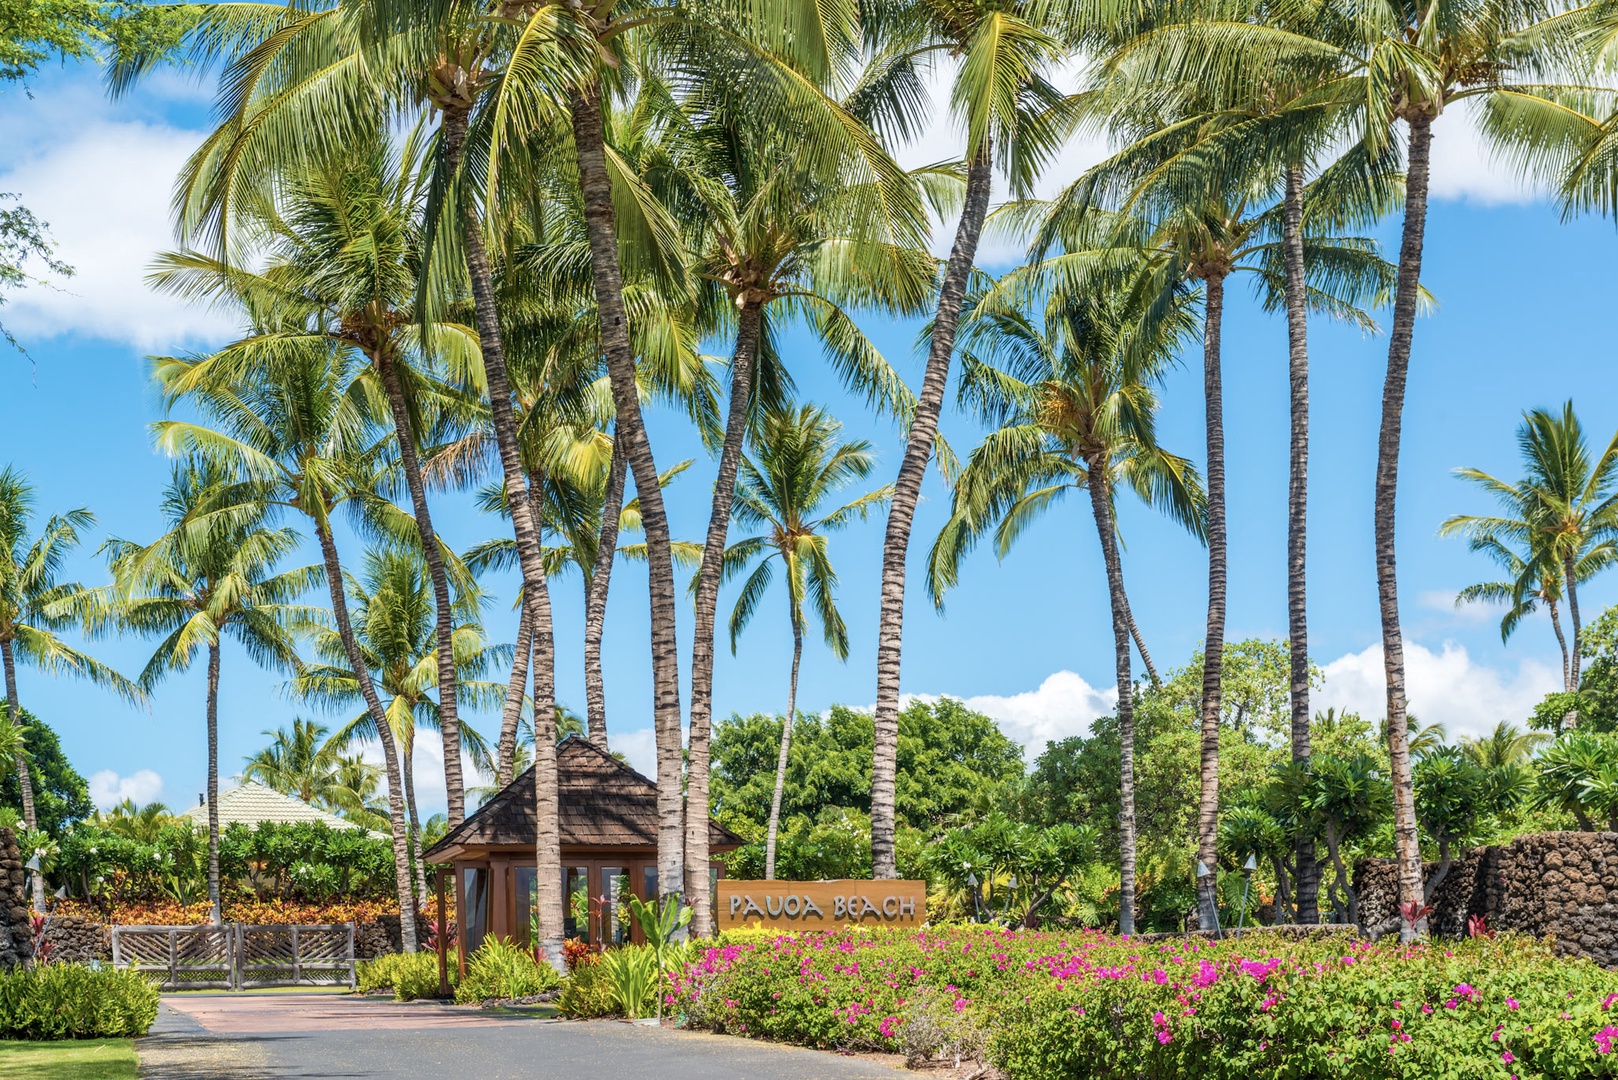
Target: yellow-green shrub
499, 970
67, 1001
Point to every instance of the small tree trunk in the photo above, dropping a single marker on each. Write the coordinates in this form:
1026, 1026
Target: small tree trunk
1567, 661
1571, 720
902, 511
1308, 874
1107, 533
384, 733
548, 898
407, 765
1214, 645
1145, 657
511, 712
25, 781
215, 913
1407, 846
595, 599
589, 140
444, 613
749, 331
786, 743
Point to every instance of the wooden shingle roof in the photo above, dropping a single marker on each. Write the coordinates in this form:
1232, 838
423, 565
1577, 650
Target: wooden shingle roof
604, 803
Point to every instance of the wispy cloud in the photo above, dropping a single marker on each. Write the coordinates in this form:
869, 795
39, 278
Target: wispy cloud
108, 789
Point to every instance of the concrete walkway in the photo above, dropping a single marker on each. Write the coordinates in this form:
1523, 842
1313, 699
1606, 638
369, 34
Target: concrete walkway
310, 1036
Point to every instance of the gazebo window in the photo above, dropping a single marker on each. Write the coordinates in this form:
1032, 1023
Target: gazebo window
615, 921
476, 885
526, 889
576, 895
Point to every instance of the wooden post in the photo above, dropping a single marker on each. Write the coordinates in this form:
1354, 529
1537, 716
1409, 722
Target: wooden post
174, 963
353, 971
443, 959
297, 966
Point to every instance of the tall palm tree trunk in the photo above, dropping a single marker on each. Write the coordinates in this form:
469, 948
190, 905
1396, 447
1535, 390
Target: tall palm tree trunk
214, 911
786, 743
1213, 655
1308, 872
384, 734
25, 780
503, 418
902, 511
444, 620
749, 331
589, 141
511, 712
595, 600
548, 898
1407, 847
1107, 533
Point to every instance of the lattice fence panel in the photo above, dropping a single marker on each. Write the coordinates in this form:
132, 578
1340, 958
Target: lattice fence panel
295, 956
237, 957
178, 957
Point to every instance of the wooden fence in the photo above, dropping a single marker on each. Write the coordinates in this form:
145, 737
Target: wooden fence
237, 956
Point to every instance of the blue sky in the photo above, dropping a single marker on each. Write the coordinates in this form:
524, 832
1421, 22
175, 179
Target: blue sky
1027, 640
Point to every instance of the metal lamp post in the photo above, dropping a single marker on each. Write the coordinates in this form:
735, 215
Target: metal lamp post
1204, 872
977, 901
1247, 883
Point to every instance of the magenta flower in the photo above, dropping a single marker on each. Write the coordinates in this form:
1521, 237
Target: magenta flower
1507, 1057
1511, 1003
1604, 1039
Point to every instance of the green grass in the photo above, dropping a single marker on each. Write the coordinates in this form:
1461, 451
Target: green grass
91, 1059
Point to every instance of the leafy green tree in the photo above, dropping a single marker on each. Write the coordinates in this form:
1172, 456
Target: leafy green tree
1012, 866
1455, 798
307, 765
142, 824
1351, 797
1072, 401
60, 795
1578, 773
798, 464
1596, 700
212, 576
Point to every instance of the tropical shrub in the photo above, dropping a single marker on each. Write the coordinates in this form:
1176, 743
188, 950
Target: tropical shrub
631, 975
1065, 1007
237, 908
588, 992
499, 970
408, 975
67, 1001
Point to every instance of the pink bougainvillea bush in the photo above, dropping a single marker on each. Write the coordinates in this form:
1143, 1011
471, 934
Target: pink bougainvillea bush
1082, 1006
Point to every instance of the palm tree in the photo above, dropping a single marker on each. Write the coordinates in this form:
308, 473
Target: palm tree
1563, 518
211, 576
1070, 396
1012, 117
798, 464
307, 765
394, 625
297, 428
1507, 746
35, 606
778, 235
139, 823
343, 248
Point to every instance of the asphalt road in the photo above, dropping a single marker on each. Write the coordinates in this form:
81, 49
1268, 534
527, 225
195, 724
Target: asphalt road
305, 1037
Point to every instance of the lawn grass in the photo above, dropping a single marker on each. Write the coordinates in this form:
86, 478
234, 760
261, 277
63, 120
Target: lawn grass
89, 1059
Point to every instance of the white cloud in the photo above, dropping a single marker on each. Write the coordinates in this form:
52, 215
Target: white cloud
1449, 687
640, 747
1064, 705
1463, 168
104, 190
1442, 602
108, 789
427, 773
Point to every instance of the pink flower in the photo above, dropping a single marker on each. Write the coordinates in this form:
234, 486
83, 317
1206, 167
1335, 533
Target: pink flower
1164, 1038
1604, 1039
1511, 1003
1508, 1057
1426, 1008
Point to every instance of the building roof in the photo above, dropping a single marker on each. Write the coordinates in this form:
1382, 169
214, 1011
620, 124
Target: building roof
604, 803
253, 803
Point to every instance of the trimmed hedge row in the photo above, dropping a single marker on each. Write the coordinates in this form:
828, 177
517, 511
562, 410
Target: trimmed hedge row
66, 1001
1093, 1007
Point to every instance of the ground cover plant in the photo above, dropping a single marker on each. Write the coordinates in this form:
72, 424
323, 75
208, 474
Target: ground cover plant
500, 971
1047, 1006
67, 1001
408, 975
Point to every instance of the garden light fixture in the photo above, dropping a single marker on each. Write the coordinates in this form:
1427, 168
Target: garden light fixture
1247, 883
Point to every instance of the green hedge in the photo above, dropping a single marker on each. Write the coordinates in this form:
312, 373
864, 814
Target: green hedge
67, 1001
498, 971
408, 975
1086, 1006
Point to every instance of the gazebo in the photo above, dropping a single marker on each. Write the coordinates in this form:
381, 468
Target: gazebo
609, 852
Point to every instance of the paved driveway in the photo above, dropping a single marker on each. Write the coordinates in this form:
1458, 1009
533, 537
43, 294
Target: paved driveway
310, 1036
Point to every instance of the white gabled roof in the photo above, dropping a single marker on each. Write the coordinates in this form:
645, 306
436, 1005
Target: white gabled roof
253, 803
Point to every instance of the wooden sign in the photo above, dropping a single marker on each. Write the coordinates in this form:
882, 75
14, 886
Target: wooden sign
821, 905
